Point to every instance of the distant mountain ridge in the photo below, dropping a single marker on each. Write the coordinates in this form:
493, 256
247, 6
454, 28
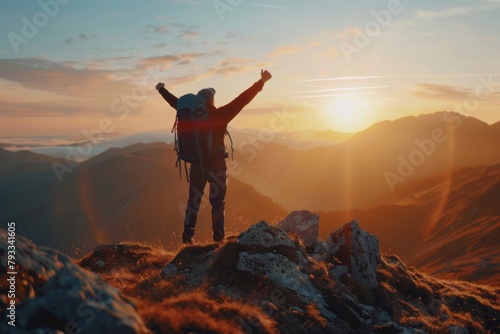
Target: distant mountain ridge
364, 169
110, 196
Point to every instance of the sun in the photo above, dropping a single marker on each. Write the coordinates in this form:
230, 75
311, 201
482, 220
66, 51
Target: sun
347, 113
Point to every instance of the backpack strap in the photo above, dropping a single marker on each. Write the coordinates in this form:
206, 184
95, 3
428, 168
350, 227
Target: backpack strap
232, 148
186, 170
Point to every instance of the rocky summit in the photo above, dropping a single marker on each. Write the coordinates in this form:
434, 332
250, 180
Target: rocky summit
269, 279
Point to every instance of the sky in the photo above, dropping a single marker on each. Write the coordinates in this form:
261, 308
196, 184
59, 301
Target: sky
74, 69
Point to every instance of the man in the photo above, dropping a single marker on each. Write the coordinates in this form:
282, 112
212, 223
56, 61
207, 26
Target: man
214, 169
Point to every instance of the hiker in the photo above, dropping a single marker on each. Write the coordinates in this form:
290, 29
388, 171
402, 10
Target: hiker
212, 169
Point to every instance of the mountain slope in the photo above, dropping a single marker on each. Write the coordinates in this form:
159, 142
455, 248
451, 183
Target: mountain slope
129, 193
369, 166
449, 225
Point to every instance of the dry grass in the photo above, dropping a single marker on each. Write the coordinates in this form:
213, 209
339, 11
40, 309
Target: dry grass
422, 301
209, 295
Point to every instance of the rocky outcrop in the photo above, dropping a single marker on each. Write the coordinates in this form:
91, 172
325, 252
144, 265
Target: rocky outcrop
265, 235
54, 294
304, 224
264, 280
285, 272
358, 250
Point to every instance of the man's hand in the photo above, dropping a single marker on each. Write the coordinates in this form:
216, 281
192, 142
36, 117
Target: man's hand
159, 85
265, 75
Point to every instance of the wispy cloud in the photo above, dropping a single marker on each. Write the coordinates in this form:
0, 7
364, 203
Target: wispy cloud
165, 62
333, 95
235, 65
291, 49
444, 92
364, 77
440, 92
456, 11
266, 6
79, 37
285, 50
189, 34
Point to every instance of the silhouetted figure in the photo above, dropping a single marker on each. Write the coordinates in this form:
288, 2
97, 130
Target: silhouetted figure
213, 168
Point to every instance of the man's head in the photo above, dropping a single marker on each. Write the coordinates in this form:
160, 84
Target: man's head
208, 94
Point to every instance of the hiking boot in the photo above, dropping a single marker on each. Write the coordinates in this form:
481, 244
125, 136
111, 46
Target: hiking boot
186, 239
218, 236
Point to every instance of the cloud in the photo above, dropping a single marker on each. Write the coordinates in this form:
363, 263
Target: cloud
266, 6
189, 2
291, 49
238, 65
165, 62
455, 11
18, 143
189, 34
50, 88
42, 74
443, 92
439, 92
285, 50
159, 45
183, 30
79, 37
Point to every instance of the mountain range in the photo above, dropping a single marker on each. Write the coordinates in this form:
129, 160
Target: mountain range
443, 216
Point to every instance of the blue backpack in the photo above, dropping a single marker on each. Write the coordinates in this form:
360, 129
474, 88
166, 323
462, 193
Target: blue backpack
193, 134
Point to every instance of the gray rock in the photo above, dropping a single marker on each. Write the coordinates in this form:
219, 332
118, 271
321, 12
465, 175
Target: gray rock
265, 235
304, 224
336, 271
69, 297
458, 330
170, 270
358, 250
321, 251
286, 273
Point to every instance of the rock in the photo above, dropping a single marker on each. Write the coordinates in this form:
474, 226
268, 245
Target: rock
100, 263
321, 251
286, 273
304, 224
458, 330
169, 270
65, 297
336, 271
358, 250
265, 235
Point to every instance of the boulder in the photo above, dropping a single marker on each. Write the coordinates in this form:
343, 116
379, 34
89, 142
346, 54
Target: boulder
265, 235
304, 224
54, 294
285, 273
358, 250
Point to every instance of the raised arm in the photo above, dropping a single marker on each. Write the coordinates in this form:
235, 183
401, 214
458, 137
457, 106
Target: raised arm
230, 110
169, 97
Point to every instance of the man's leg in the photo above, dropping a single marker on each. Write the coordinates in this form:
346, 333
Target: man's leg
217, 177
197, 183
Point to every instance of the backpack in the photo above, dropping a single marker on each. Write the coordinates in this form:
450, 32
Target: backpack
193, 135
